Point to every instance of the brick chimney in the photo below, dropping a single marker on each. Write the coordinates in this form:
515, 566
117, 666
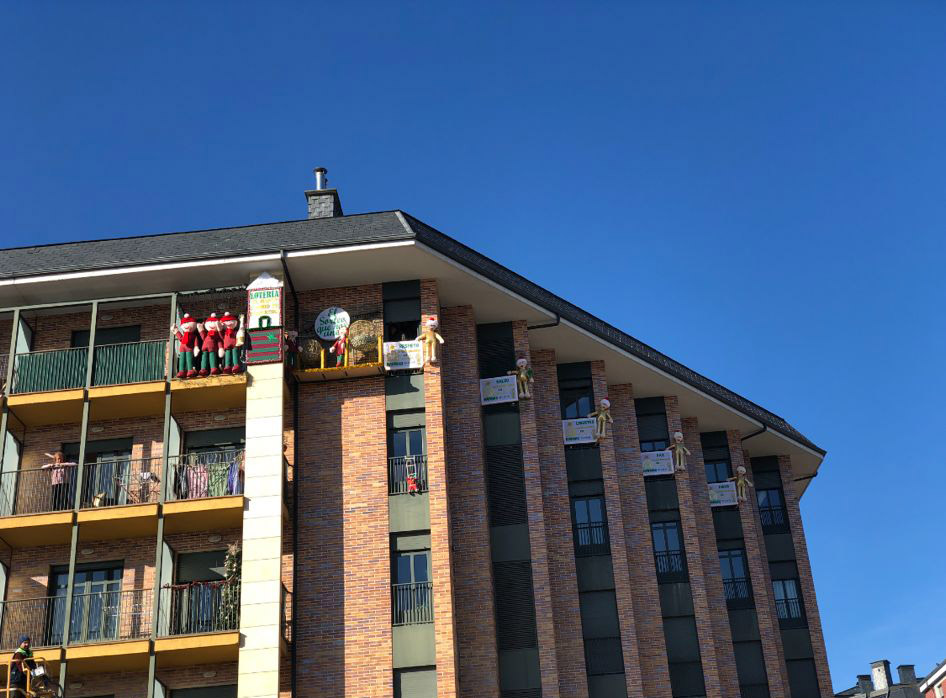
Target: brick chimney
880, 673
323, 202
907, 674
864, 684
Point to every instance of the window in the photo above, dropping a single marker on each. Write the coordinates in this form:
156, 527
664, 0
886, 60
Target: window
591, 529
717, 471
107, 335
736, 585
407, 461
412, 592
938, 690
668, 550
401, 319
772, 511
658, 445
576, 401
788, 604
96, 604
200, 601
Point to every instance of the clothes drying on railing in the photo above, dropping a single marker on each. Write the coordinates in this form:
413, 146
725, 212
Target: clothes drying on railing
200, 475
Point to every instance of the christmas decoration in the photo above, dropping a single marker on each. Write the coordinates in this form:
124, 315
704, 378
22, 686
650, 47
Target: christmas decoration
233, 338
742, 483
211, 346
430, 338
524, 378
230, 593
340, 348
188, 348
680, 452
603, 416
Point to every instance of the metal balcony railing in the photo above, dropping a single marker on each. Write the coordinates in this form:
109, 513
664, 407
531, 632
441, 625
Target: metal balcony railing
407, 474
38, 490
100, 616
132, 362
789, 609
199, 607
591, 539
120, 481
669, 563
201, 475
412, 603
772, 518
40, 371
4, 363
737, 589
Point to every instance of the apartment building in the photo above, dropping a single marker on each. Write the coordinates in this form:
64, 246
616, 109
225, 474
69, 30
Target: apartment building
336, 512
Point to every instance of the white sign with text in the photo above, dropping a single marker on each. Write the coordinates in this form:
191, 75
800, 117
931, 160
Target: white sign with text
494, 391
657, 462
578, 431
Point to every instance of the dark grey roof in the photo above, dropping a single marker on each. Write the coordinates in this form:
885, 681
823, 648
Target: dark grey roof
353, 230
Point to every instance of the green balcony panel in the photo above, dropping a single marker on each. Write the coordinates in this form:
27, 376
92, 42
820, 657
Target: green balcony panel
134, 362
50, 370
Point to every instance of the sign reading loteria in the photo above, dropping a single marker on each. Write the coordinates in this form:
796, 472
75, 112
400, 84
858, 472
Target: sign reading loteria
264, 302
579, 431
657, 462
494, 391
403, 356
722, 494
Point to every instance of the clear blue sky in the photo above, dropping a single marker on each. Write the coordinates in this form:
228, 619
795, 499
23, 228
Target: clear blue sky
758, 193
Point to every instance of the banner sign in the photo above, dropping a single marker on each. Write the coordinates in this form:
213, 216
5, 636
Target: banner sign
722, 494
264, 346
403, 356
330, 323
578, 431
657, 462
496, 390
264, 302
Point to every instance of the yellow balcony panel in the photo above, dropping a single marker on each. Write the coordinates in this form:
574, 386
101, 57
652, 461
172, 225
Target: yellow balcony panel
32, 530
203, 514
213, 392
108, 523
108, 657
53, 407
187, 650
123, 401
317, 375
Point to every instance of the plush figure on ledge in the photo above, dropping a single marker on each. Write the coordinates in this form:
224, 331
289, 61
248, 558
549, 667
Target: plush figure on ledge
430, 338
603, 414
340, 347
211, 346
742, 483
233, 338
680, 452
292, 347
188, 348
524, 378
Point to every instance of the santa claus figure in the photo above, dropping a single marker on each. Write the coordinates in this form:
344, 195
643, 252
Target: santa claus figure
211, 346
340, 348
188, 349
233, 338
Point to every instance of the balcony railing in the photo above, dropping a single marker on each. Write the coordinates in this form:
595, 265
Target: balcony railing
132, 362
37, 490
201, 475
199, 607
120, 481
737, 589
592, 539
669, 563
407, 474
100, 616
789, 609
412, 603
772, 518
39, 371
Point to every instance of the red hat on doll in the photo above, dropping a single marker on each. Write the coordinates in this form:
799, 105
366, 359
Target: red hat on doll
227, 317
212, 316
187, 318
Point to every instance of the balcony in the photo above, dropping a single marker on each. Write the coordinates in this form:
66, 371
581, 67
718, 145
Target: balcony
773, 519
790, 612
412, 604
407, 474
738, 592
198, 623
591, 539
670, 565
316, 364
205, 491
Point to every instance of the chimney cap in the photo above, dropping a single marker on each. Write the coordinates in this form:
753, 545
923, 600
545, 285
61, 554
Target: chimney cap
319, 169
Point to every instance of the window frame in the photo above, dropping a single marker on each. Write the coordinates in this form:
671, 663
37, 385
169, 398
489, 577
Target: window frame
669, 575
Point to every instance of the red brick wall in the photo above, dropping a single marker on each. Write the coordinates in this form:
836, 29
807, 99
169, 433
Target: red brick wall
619, 553
566, 617
651, 649
466, 485
55, 331
805, 577
532, 475
758, 562
343, 593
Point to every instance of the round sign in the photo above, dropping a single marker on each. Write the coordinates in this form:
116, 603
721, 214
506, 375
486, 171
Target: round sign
330, 322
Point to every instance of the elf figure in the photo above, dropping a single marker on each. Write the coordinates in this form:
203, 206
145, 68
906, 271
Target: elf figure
340, 348
430, 338
603, 414
680, 452
742, 483
524, 378
188, 348
211, 345
233, 339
